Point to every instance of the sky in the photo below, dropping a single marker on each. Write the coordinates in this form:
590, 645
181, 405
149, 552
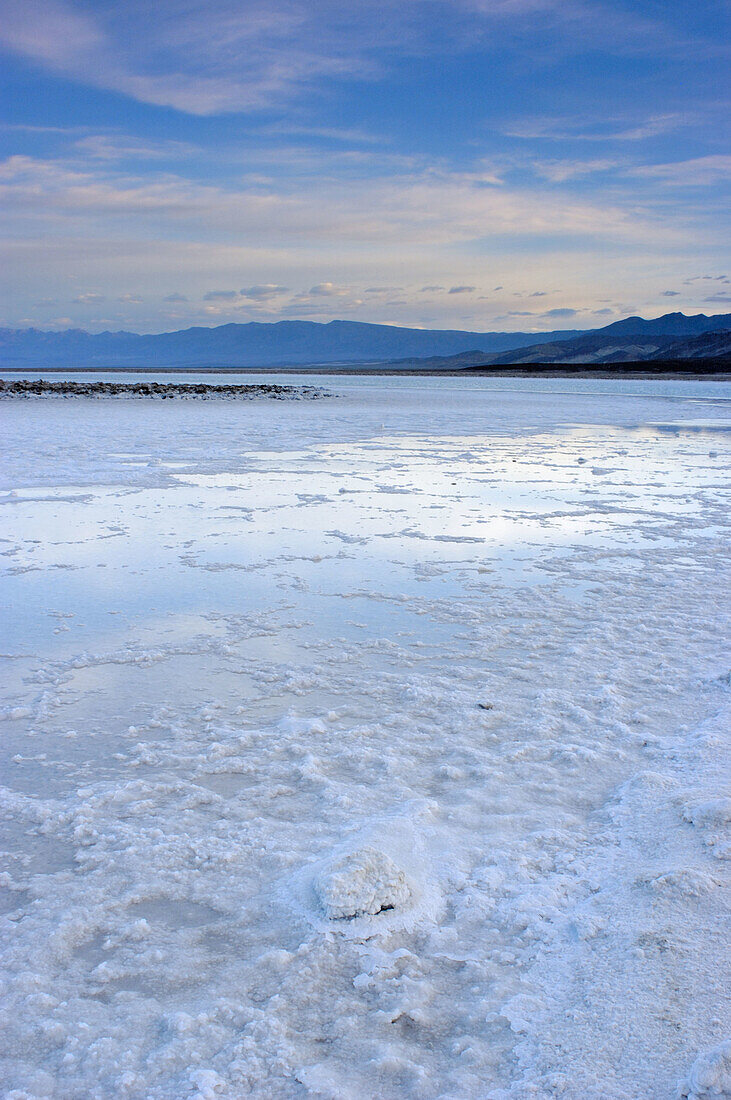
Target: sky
505, 165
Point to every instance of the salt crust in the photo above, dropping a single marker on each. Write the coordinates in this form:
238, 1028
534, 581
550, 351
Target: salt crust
163, 935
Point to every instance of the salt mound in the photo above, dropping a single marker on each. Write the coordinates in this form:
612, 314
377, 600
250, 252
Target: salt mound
710, 1075
362, 883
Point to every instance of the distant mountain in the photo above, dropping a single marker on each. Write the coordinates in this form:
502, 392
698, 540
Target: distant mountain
625, 341
671, 324
284, 343
711, 345
344, 343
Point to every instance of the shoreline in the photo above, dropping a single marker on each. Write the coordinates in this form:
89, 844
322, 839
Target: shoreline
661, 370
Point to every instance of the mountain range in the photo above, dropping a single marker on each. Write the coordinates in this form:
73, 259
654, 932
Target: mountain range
300, 343
283, 343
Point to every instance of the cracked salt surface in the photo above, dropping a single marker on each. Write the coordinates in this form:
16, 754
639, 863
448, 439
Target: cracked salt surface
259, 835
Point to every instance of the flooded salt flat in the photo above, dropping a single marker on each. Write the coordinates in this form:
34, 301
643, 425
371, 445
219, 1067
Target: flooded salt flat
257, 661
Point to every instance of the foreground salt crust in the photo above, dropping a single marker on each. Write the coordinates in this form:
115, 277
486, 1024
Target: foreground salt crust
261, 836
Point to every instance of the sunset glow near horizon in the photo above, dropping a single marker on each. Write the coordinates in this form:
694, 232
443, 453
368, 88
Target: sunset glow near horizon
476, 164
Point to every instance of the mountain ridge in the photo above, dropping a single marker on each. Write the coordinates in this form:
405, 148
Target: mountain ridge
251, 345
262, 345
629, 340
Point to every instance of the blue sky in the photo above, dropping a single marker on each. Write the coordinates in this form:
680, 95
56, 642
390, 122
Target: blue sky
484, 164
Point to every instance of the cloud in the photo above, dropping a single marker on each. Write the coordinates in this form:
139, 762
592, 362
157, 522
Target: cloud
600, 128
266, 53
175, 55
538, 294
560, 171
132, 299
154, 230
602, 312
424, 208
328, 133
327, 290
85, 299
263, 291
669, 293
115, 147
725, 298
652, 127
560, 313
219, 222
698, 172
175, 298
564, 28
462, 289
52, 33
23, 128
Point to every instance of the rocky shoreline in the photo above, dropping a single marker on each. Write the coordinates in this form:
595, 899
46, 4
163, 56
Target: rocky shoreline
202, 391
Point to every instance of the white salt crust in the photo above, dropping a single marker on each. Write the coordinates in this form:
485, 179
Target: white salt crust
373, 747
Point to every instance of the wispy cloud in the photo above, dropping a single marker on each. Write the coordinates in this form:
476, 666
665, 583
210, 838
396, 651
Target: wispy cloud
121, 147
598, 128
430, 208
49, 32
247, 57
698, 172
175, 55
348, 136
559, 171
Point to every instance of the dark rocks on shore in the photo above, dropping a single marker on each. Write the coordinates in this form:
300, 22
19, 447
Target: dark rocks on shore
42, 388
